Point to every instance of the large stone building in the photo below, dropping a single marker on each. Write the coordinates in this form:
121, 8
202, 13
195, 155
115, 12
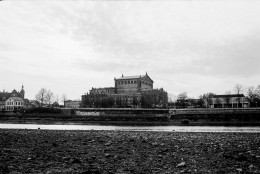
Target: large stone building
14, 95
127, 85
127, 92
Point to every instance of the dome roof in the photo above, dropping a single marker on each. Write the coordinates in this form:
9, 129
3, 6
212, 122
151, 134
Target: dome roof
14, 91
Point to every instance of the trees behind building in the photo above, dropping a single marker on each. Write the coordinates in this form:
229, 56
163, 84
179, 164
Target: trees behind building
154, 98
97, 101
148, 99
253, 96
44, 97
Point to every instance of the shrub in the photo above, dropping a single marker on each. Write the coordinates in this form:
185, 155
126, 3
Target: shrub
43, 110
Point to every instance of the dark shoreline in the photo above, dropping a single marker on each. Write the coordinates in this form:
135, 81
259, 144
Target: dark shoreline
175, 120
126, 122
49, 151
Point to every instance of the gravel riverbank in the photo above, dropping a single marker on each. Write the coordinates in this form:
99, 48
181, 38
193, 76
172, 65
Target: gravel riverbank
55, 151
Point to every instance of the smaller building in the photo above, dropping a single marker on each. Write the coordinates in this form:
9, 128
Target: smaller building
35, 104
14, 103
228, 101
2, 105
55, 105
72, 103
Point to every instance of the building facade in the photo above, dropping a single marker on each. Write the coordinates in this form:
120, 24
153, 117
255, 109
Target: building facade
72, 103
14, 103
4, 96
127, 92
228, 101
126, 85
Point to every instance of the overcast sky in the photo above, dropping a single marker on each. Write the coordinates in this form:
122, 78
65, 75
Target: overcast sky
71, 46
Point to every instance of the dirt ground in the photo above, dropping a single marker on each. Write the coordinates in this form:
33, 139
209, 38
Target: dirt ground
86, 152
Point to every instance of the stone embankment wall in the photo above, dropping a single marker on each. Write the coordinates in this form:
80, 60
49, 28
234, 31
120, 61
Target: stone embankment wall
219, 114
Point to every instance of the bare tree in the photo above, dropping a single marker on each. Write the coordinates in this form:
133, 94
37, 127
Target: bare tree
257, 91
182, 100
227, 97
49, 97
207, 98
57, 99
63, 98
253, 95
41, 96
172, 98
218, 102
238, 89
250, 91
182, 96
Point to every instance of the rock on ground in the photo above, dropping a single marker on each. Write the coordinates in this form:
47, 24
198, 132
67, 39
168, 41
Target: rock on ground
57, 151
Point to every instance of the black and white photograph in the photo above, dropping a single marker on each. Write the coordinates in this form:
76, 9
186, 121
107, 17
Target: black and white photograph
129, 86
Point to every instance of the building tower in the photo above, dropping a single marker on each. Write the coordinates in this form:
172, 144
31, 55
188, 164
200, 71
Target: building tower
22, 92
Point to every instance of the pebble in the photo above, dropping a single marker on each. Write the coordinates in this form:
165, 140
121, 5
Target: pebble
182, 164
134, 152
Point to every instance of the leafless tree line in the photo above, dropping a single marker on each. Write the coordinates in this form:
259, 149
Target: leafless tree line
251, 93
45, 96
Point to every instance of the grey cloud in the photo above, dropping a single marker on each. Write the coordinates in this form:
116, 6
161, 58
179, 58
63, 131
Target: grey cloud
238, 59
6, 47
101, 66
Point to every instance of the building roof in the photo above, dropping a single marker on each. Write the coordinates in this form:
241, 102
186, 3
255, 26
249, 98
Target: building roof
130, 77
16, 99
14, 91
228, 95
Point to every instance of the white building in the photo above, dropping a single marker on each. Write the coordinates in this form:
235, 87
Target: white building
228, 101
13, 103
72, 103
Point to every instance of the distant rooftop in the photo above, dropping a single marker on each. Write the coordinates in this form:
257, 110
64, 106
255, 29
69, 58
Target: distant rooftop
130, 77
16, 98
228, 95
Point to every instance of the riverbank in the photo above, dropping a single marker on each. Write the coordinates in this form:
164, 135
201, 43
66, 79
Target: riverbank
87, 120
137, 117
46, 151
180, 122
